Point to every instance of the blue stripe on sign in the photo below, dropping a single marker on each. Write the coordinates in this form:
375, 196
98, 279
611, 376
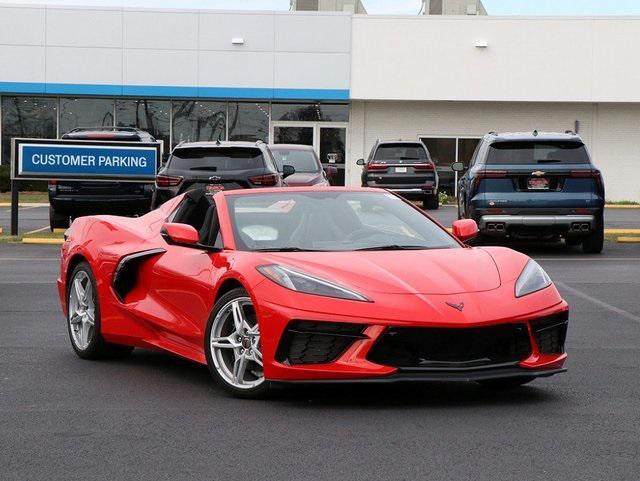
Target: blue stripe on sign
173, 91
90, 160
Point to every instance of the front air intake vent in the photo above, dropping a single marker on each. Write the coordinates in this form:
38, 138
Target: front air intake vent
551, 332
311, 342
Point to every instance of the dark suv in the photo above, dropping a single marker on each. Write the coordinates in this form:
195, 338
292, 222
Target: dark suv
534, 186
71, 199
402, 166
217, 166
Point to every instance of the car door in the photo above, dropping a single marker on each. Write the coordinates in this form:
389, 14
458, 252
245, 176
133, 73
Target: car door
182, 283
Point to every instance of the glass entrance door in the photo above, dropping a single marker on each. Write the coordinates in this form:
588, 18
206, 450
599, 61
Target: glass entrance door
332, 149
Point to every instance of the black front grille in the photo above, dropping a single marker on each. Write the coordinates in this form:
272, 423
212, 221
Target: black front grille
311, 342
451, 348
551, 332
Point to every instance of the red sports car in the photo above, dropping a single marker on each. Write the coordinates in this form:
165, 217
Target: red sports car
309, 284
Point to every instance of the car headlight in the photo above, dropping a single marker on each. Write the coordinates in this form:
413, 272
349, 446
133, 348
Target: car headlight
532, 279
302, 282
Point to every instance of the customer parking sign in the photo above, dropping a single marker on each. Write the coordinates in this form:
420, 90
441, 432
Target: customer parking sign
82, 160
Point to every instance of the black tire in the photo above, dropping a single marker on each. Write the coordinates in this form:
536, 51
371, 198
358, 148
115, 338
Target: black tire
57, 220
431, 202
97, 347
573, 241
506, 383
256, 392
594, 242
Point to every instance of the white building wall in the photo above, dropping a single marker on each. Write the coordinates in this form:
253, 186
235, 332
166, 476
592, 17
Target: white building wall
537, 59
611, 131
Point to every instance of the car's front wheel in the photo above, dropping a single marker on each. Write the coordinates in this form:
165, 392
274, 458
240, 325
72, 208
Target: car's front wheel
233, 347
83, 318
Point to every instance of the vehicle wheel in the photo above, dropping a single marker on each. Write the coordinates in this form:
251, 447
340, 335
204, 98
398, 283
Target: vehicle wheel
431, 202
83, 318
233, 346
594, 242
573, 241
507, 383
57, 220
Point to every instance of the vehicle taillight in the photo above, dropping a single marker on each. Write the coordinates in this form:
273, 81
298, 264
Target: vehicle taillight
268, 180
168, 180
595, 174
374, 166
424, 167
489, 174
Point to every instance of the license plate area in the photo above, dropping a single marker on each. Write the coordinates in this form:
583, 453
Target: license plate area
538, 183
214, 188
400, 170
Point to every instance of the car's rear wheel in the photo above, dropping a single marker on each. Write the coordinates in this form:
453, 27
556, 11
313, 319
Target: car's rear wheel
233, 346
57, 220
506, 383
431, 202
83, 318
594, 242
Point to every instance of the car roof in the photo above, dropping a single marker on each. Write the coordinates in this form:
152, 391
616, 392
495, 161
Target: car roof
120, 133
290, 147
533, 135
410, 142
284, 190
216, 144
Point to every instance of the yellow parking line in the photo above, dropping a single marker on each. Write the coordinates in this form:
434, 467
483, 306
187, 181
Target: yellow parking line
622, 206
58, 231
42, 240
629, 240
622, 231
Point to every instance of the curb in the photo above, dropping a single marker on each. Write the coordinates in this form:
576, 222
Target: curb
42, 240
628, 240
622, 206
25, 204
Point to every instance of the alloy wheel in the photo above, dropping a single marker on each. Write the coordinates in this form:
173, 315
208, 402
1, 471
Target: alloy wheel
82, 310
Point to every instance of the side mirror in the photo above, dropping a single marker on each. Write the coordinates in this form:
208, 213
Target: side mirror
465, 229
331, 170
457, 166
360, 162
288, 170
180, 234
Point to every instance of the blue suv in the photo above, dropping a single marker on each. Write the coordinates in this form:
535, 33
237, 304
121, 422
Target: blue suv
534, 185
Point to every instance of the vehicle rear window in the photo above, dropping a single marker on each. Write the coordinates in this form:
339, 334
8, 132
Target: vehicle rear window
543, 152
301, 160
389, 153
216, 158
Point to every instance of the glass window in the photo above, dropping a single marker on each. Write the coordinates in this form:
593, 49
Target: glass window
399, 153
301, 160
543, 152
332, 221
216, 159
315, 112
76, 113
195, 121
442, 150
152, 116
249, 121
466, 149
293, 135
27, 117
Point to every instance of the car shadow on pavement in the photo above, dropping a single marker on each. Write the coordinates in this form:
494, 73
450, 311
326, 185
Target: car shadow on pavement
193, 377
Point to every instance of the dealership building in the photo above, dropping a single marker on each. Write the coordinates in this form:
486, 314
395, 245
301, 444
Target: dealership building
337, 80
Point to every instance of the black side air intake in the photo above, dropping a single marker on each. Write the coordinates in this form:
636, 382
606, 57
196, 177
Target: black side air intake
126, 274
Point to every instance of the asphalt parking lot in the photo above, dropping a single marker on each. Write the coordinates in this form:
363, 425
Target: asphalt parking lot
154, 416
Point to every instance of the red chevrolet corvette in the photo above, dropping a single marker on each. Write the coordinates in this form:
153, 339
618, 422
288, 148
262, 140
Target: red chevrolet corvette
309, 284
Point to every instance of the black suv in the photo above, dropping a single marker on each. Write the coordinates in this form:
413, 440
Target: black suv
402, 166
71, 199
217, 166
534, 185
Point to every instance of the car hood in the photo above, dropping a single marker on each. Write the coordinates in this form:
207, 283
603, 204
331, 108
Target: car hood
303, 178
438, 271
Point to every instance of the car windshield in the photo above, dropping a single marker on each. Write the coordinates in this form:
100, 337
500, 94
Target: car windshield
331, 221
216, 158
542, 152
301, 160
400, 153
